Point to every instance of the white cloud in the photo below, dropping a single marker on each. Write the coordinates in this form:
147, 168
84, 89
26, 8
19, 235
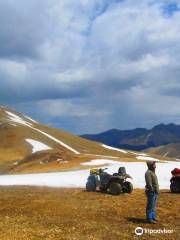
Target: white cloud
118, 59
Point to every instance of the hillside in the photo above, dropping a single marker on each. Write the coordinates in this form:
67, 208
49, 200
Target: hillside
27, 146
139, 138
171, 150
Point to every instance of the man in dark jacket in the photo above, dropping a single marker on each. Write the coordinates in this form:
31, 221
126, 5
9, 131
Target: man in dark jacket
152, 190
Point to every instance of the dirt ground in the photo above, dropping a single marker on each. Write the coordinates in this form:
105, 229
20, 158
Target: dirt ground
33, 213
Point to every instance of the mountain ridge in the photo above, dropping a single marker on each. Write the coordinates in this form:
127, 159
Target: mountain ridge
138, 138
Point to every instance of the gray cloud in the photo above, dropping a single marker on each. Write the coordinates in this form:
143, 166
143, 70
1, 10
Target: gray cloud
24, 27
91, 65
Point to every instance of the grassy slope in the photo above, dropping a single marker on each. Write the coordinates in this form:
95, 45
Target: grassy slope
14, 148
66, 214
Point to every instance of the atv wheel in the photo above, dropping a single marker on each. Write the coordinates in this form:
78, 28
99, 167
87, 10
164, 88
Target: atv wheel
174, 187
90, 186
127, 187
115, 188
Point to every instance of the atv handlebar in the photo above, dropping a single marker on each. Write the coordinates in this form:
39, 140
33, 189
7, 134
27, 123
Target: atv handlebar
102, 169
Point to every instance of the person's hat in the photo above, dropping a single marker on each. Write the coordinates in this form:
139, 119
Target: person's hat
150, 163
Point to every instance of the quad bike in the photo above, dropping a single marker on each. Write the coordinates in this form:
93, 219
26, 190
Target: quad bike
113, 184
175, 181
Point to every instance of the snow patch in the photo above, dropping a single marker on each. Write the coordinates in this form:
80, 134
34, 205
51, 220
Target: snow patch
16, 119
56, 140
113, 148
166, 154
32, 120
96, 155
15, 163
99, 162
70, 179
37, 146
61, 161
139, 154
147, 158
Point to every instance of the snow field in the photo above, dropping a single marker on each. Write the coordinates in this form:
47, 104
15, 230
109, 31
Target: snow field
75, 179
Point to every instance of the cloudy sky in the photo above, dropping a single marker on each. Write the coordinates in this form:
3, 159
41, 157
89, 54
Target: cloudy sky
90, 65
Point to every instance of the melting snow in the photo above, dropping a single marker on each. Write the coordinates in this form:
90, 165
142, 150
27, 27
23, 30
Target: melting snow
15, 118
100, 155
166, 154
56, 140
37, 146
147, 158
78, 178
113, 148
15, 163
61, 161
139, 154
30, 119
99, 162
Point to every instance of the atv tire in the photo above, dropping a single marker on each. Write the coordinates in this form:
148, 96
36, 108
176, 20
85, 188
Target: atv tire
127, 187
174, 187
91, 183
115, 188
90, 186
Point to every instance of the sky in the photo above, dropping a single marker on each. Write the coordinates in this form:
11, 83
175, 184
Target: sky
87, 66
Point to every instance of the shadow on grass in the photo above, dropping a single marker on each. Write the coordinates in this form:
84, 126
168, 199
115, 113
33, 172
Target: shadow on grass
104, 193
136, 220
96, 191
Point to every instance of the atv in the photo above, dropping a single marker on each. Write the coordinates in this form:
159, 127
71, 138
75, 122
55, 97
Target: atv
175, 181
113, 184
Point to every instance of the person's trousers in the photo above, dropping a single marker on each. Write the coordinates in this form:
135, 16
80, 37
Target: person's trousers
151, 205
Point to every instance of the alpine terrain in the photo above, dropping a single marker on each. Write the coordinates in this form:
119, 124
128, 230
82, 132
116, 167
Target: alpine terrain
28, 146
164, 139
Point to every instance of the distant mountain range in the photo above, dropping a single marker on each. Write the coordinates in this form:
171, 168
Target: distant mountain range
165, 135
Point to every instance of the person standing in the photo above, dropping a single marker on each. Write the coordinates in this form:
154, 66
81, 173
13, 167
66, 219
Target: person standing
151, 190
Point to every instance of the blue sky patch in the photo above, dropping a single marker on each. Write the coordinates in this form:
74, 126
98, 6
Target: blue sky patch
170, 9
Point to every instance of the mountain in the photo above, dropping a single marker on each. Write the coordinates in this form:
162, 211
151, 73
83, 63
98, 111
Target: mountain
27, 146
171, 150
139, 138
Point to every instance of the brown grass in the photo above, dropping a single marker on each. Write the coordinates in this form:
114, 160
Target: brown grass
29, 213
14, 148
